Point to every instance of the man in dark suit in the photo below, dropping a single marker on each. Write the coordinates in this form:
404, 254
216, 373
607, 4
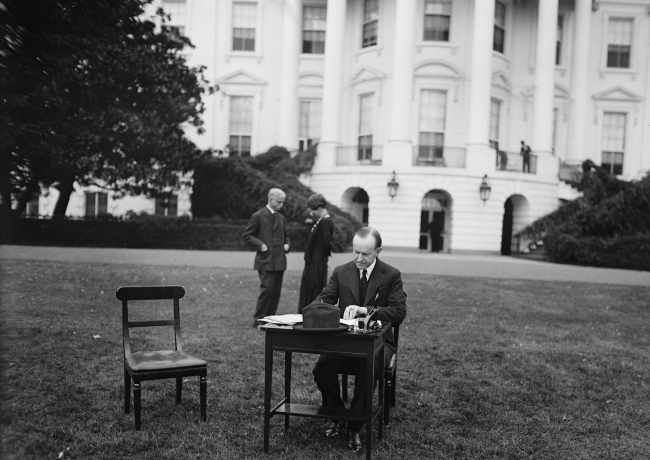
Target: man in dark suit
266, 233
357, 287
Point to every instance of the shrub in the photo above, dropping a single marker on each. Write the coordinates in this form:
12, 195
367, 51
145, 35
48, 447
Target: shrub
140, 232
609, 226
234, 188
621, 251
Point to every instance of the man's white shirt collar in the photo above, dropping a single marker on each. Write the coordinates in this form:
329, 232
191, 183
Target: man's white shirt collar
269, 208
368, 270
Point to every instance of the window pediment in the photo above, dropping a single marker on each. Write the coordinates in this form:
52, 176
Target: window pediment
501, 80
240, 77
311, 80
367, 74
437, 69
618, 93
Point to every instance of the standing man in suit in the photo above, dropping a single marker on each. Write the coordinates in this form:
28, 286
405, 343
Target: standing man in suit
525, 153
355, 286
266, 232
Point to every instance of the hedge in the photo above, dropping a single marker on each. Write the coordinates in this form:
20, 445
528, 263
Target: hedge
621, 251
234, 188
609, 226
143, 232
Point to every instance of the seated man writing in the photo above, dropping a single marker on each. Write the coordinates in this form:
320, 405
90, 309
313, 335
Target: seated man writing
357, 287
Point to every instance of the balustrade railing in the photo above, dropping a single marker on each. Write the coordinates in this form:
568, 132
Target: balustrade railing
359, 155
514, 162
442, 157
570, 173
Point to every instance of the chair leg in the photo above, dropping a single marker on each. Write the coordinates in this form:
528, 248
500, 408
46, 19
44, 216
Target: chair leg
344, 385
393, 388
136, 404
179, 389
203, 388
127, 391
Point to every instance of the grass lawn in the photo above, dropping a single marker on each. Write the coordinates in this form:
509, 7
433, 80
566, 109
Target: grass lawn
487, 369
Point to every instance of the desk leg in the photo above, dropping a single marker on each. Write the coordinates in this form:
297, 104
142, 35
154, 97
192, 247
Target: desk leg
287, 384
370, 386
380, 399
268, 373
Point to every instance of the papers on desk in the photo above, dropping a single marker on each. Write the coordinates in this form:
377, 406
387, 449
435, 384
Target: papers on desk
290, 320
287, 320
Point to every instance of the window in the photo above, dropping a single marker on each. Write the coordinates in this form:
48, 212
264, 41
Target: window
310, 121
613, 142
558, 40
495, 116
432, 126
437, 15
96, 204
176, 9
241, 125
499, 27
366, 123
244, 18
619, 43
313, 29
167, 205
370, 22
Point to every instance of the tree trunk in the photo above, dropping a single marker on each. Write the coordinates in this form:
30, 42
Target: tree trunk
25, 196
5, 182
66, 187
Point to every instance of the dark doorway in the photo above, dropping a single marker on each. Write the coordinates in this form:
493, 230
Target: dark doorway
424, 228
361, 197
506, 235
436, 227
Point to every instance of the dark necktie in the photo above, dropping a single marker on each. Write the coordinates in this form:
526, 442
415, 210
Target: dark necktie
363, 287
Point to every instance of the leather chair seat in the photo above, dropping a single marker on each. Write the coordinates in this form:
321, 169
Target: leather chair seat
162, 359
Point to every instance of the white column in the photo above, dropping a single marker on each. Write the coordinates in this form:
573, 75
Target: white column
333, 75
291, 41
402, 88
579, 78
542, 141
479, 154
644, 153
330, 138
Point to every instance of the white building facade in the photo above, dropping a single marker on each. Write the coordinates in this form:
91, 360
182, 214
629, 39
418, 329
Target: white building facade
436, 94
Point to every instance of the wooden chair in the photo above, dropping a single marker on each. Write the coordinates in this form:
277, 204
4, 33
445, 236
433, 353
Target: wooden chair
390, 381
157, 364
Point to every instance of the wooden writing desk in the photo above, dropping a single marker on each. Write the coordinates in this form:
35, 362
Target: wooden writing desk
346, 343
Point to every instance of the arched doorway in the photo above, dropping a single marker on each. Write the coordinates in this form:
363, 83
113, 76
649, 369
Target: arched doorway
506, 232
515, 219
355, 201
435, 222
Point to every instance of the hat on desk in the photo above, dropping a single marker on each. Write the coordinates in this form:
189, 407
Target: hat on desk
321, 317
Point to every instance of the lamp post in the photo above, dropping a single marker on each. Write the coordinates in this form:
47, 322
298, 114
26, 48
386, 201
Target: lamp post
485, 189
393, 185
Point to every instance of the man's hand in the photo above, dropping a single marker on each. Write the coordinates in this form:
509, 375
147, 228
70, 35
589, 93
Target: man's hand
264, 248
353, 311
286, 248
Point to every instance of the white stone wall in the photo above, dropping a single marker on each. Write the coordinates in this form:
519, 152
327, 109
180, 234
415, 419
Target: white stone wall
269, 75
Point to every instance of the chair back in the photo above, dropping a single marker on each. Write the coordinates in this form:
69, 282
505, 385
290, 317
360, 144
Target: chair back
130, 293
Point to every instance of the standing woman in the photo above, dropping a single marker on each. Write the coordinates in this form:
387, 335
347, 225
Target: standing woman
319, 249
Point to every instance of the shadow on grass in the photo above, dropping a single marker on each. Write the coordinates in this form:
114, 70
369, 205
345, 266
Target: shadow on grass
488, 369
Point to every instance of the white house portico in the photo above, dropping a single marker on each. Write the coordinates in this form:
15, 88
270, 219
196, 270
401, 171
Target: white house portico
439, 93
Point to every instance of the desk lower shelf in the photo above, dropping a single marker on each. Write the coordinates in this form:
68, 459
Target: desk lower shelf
306, 410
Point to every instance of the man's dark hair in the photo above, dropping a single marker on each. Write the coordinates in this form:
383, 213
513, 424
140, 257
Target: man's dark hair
316, 201
365, 231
